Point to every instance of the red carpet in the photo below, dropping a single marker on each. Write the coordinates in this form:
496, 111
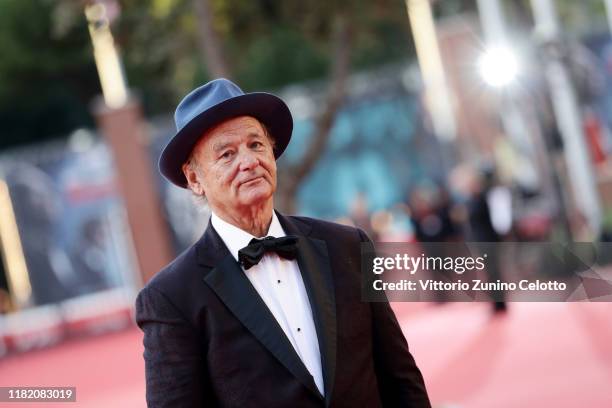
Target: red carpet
538, 355
108, 371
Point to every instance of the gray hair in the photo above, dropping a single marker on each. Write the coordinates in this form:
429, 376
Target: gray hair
198, 199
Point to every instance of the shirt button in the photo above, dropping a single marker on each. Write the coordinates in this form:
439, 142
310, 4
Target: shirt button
278, 281
299, 329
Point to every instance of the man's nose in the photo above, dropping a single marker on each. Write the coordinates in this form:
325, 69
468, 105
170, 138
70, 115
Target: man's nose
248, 160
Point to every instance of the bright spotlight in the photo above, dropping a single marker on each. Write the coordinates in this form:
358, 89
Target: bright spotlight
498, 67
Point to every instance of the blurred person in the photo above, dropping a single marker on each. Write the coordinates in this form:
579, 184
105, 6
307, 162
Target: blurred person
499, 203
265, 309
430, 210
402, 229
392, 225
472, 187
476, 186
382, 223
534, 216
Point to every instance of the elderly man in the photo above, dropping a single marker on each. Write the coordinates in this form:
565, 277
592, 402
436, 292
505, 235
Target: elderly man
264, 310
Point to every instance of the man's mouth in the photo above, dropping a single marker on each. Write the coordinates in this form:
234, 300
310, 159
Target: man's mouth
252, 180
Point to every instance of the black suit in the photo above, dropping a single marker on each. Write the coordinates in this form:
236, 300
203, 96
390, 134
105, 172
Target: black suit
210, 340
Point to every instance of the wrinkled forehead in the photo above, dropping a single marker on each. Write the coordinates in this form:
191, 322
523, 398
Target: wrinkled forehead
230, 131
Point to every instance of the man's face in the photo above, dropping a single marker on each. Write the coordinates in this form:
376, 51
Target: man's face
235, 163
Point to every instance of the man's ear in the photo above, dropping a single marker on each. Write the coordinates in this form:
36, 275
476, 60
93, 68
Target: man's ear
192, 179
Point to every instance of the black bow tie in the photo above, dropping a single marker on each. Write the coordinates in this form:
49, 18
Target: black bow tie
251, 254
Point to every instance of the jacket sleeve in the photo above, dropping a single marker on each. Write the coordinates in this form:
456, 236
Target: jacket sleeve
400, 381
174, 366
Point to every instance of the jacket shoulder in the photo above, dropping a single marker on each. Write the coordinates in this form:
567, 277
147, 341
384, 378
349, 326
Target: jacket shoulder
175, 272
330, 230
180, 285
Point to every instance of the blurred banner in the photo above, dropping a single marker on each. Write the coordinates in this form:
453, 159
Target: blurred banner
70, 219
379, 145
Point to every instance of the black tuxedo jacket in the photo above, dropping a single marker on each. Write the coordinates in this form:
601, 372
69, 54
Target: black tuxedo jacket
211, 341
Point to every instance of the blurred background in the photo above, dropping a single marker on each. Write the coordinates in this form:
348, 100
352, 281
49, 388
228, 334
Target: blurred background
418, 121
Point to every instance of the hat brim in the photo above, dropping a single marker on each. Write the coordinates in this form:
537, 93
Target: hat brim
265, 107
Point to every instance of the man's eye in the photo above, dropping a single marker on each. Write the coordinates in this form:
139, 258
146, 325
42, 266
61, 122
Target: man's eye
226, 155
256, 144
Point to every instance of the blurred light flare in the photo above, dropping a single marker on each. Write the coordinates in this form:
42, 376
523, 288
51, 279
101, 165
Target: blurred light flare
114, 88
498, 66
437, 94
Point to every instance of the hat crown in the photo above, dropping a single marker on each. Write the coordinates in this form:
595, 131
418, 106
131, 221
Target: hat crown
204, 98
211, 104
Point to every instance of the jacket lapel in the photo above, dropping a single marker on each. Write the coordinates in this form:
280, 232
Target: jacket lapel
313, 260
231, 285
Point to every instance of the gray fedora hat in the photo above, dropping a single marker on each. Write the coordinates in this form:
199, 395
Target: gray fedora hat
211, 104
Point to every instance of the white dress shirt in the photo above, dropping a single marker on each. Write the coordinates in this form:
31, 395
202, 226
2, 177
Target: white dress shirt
279, 283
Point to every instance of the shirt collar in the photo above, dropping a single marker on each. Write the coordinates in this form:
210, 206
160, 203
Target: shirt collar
235, 239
